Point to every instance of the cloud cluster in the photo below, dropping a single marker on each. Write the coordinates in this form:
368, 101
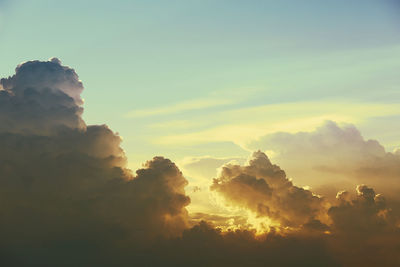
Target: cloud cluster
356, 230
67, 198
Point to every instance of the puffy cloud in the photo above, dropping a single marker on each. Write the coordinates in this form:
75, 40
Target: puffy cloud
368, 213
264, 188
43, 76
64, 188
335, 156
40, 98
364, 229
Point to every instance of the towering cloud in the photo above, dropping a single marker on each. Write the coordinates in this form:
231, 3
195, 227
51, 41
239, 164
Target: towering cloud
63, 183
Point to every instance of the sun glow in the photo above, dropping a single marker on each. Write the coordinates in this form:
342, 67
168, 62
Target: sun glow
262, 225
237, 218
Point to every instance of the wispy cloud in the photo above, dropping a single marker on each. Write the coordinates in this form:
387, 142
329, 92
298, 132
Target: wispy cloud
184, 106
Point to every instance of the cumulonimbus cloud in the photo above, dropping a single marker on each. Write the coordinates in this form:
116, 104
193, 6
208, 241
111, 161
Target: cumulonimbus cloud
67, 198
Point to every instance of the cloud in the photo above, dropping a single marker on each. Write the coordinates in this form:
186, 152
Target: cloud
264, 189
364, 230
67, 198
64, 185
249, 123
203, 245
199, 171
44, 76
354, 230
366, 214
334, 155
41, 97
220, 98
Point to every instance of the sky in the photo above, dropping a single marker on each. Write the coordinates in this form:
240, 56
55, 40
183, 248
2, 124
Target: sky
137, 128
170, 76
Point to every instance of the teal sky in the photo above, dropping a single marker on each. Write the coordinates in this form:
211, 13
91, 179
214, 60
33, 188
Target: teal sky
195, 78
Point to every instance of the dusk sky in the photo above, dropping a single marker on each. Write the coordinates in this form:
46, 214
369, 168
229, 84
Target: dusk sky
281, 115
172, 77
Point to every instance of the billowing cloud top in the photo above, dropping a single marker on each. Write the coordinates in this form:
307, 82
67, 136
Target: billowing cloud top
263, 188
40, 98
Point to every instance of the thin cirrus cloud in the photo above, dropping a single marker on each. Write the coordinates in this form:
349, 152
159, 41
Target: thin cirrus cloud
184, 106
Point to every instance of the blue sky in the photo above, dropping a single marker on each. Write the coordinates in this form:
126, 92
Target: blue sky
196, 78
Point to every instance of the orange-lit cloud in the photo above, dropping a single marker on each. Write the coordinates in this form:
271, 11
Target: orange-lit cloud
264, 189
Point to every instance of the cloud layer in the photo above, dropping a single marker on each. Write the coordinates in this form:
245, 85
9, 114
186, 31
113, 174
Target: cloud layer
67, 198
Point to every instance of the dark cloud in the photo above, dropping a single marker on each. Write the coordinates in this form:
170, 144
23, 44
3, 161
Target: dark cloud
219, 221
40, 98
67, 198
64, 188
368, 213
365, 231
203, 245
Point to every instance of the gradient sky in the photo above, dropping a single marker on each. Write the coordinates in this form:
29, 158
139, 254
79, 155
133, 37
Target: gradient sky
196, 78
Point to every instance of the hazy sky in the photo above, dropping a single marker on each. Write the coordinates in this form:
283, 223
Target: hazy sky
196, 78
